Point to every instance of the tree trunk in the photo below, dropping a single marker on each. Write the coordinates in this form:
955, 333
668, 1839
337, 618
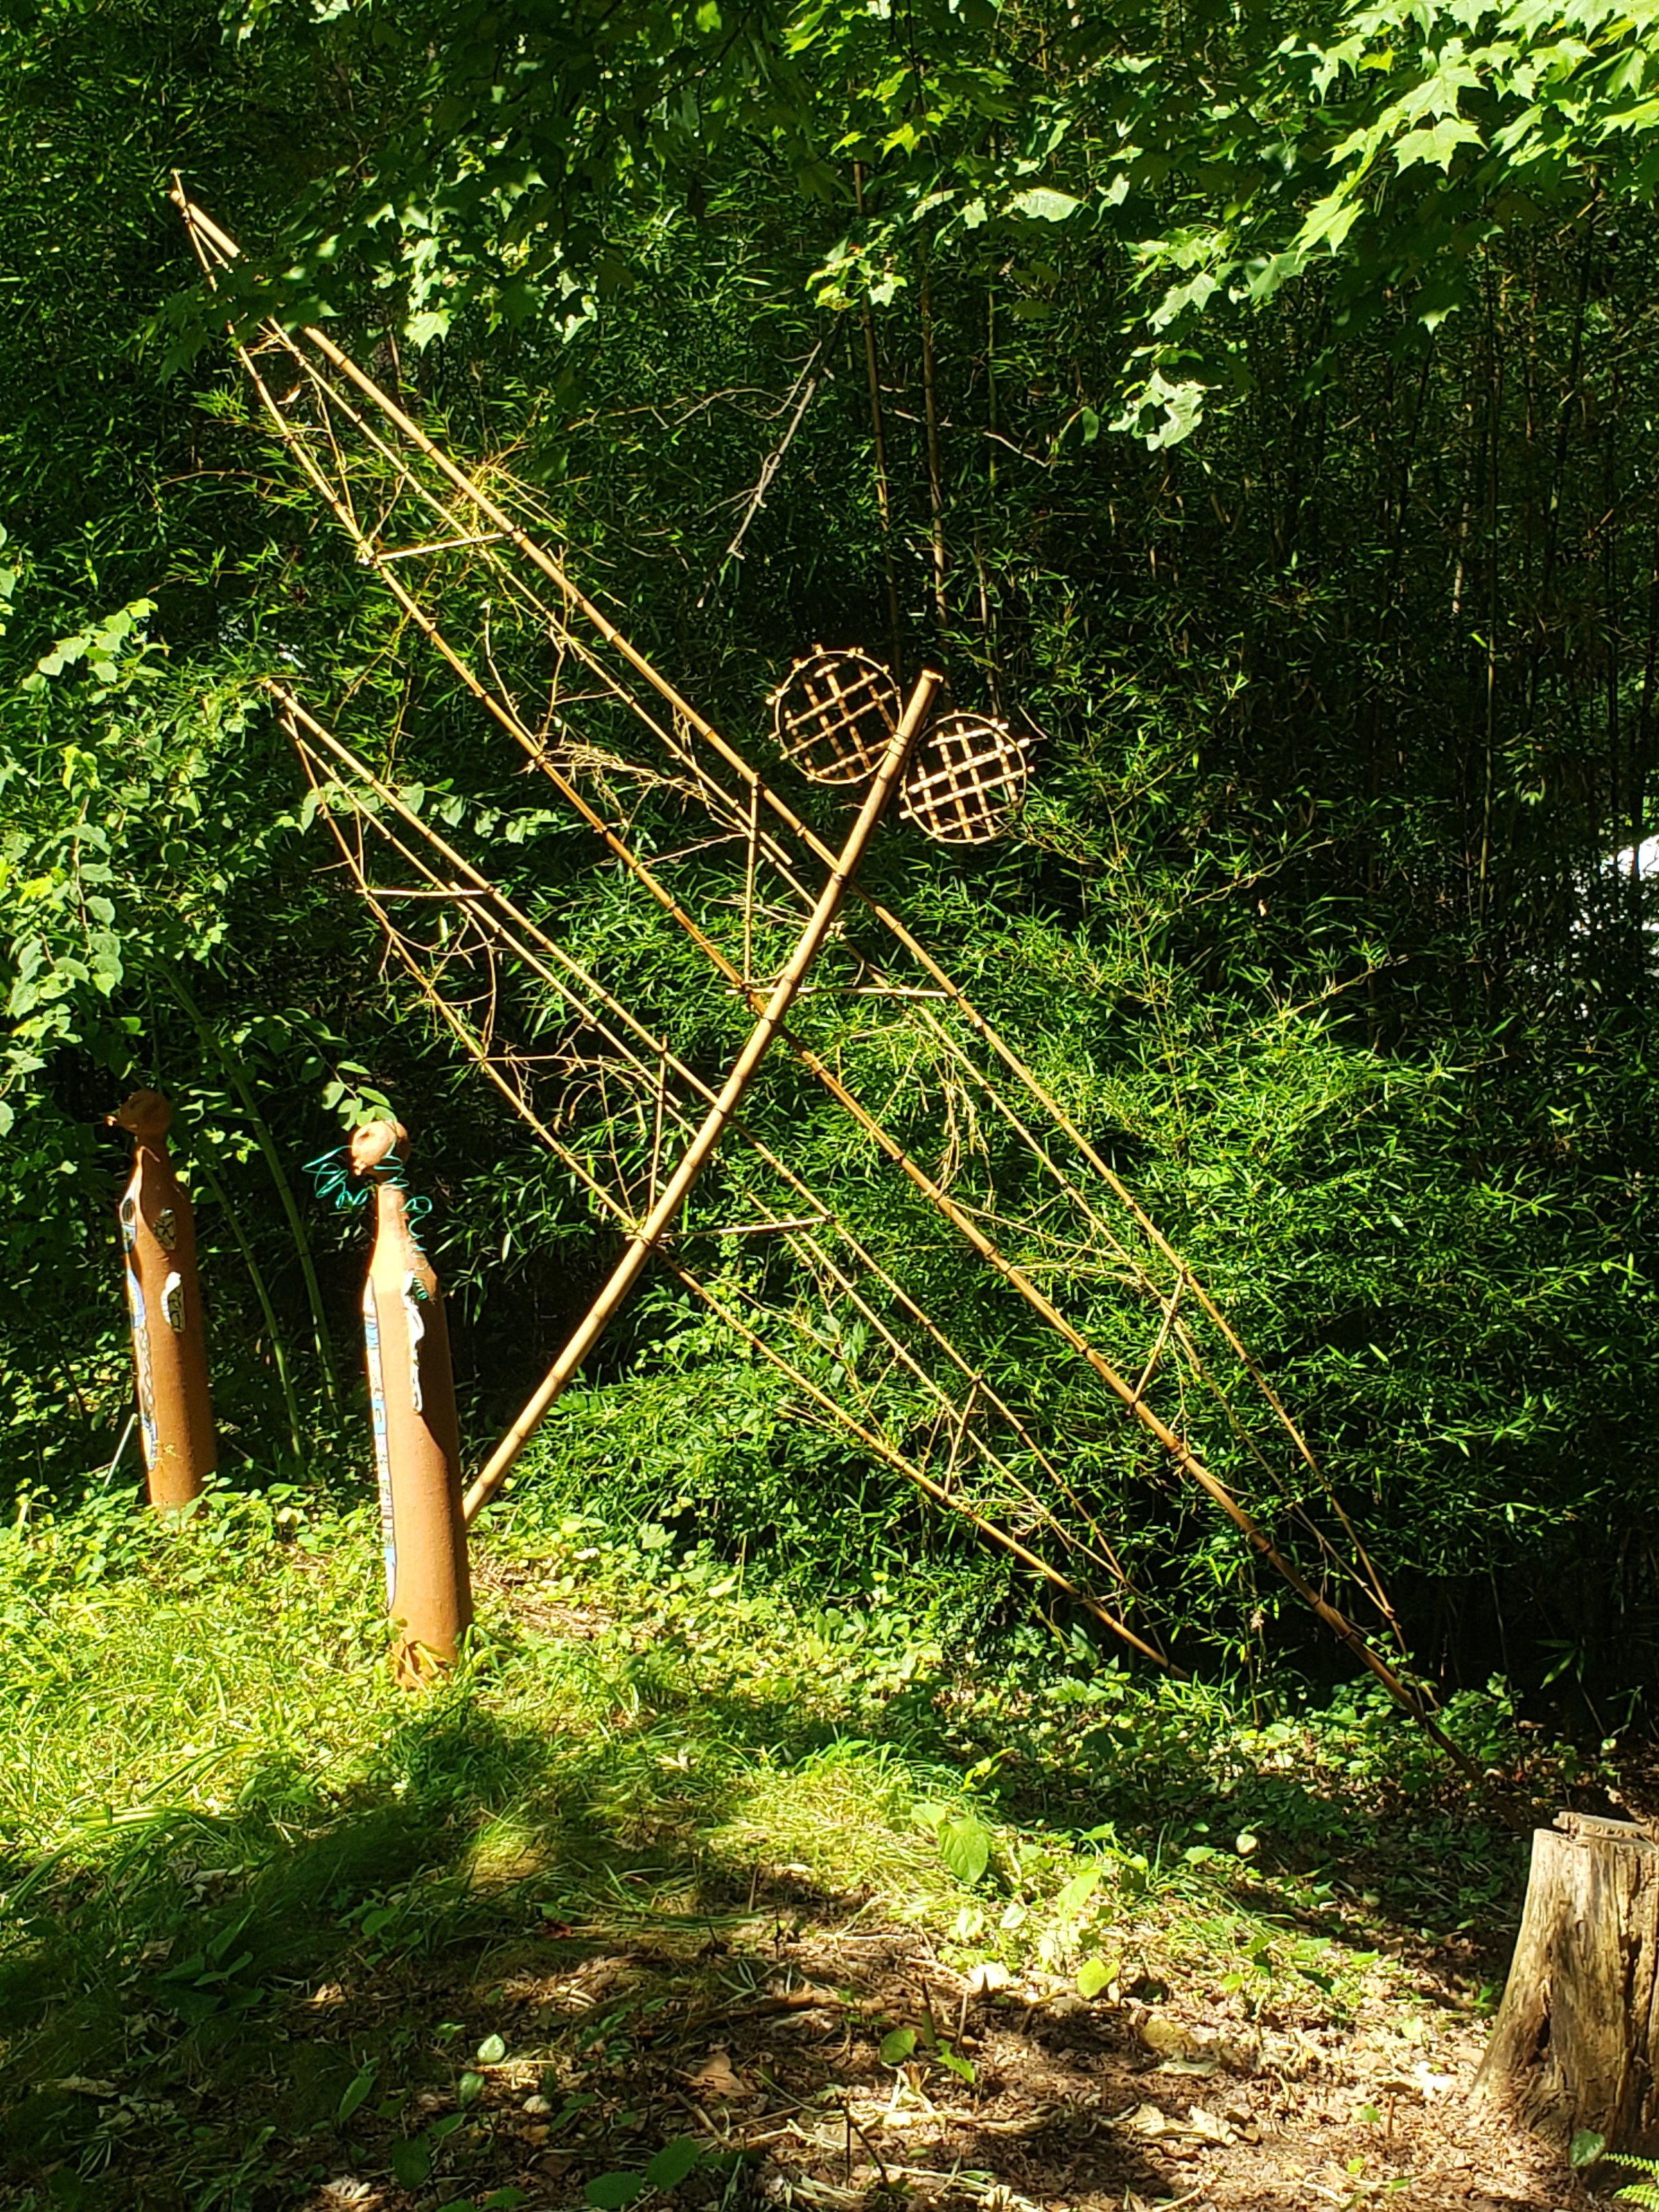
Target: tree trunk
1576, 2043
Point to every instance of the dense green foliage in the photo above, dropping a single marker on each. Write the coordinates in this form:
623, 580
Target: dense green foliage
1345, 690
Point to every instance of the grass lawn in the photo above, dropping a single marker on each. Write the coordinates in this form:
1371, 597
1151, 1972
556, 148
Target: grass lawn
690, 1885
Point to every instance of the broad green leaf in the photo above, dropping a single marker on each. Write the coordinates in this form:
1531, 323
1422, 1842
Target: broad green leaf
491, 2051
1043, 205
1436, 146
965, 1845
896, 2045
610, 2193
357, 2089
411, 2162
1077, 1892
673, 2163
1092, 1976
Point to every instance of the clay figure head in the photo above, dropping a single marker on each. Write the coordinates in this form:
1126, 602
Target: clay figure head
375, 1144
146, 1114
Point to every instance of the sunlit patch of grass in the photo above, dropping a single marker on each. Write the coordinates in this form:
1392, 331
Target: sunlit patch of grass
193, 1668
505, 1851
846, 1818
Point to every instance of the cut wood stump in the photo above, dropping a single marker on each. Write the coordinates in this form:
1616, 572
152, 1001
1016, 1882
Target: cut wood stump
1576, 2043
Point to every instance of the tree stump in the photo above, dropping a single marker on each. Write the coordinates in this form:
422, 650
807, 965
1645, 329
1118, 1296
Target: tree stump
1576, 2043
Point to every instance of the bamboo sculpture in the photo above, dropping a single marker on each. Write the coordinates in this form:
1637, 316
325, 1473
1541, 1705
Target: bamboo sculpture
164, 1300
501, 923
417, 1450
355, 427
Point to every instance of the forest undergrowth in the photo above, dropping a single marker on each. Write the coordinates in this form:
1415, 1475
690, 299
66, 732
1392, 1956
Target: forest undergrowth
695, 1882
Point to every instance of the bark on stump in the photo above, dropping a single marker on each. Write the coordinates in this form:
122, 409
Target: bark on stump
1576, 2043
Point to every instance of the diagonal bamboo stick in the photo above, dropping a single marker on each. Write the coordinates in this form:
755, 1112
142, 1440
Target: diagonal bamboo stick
701, 1148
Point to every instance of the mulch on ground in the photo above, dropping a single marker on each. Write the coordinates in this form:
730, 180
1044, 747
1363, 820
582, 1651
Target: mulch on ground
766, 2044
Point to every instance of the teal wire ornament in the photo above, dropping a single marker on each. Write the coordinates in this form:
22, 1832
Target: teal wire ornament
332, 1180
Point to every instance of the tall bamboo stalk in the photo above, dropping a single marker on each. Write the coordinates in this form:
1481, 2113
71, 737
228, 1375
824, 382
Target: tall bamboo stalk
879, 443
236, 1074
935, 473
202, 1165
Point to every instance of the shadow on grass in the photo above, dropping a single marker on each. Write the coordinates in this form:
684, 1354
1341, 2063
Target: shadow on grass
214, 1980
589, 1886
362, 1987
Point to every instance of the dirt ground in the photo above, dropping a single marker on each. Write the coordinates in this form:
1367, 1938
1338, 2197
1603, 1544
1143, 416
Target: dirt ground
770, 2045
763, 2046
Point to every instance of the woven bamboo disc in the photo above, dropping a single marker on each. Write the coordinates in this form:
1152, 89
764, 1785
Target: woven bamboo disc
965, 779
834, 714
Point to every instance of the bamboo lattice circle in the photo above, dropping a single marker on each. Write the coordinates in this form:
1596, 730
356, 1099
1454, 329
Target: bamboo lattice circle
834, 714
966, 778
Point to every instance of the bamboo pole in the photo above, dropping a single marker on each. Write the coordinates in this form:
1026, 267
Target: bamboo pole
878, 436
627, 1271
935, 473
773, 460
